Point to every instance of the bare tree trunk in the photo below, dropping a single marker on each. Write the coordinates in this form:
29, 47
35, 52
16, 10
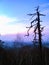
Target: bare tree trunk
39, 34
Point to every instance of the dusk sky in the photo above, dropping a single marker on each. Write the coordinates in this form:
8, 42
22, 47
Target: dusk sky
14, 18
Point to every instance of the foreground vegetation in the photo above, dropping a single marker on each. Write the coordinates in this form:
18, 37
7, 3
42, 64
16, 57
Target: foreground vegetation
23, 56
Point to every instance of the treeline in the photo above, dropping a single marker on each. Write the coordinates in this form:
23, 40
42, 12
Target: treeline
23, 56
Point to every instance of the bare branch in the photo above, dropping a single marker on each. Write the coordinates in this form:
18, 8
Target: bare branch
31, 14
31, 26
41, 14
42, 29
35, 29
33, 20
37, 8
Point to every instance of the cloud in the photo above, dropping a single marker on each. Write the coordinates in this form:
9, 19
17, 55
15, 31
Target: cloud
5, 20
7, 28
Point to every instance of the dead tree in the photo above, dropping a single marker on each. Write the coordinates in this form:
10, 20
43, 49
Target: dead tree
35, 40
37, 27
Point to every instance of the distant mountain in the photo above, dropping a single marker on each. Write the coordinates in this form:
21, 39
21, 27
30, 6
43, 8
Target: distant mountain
22, 44
20, 40
13, 37
8, 37
21, 37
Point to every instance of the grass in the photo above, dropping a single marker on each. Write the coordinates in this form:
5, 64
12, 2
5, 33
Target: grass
23, 56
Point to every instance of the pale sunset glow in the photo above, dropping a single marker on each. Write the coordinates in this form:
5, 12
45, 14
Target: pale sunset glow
6, 28
5, 19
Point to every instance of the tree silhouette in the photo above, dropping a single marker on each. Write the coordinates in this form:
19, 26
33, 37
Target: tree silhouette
37, 30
